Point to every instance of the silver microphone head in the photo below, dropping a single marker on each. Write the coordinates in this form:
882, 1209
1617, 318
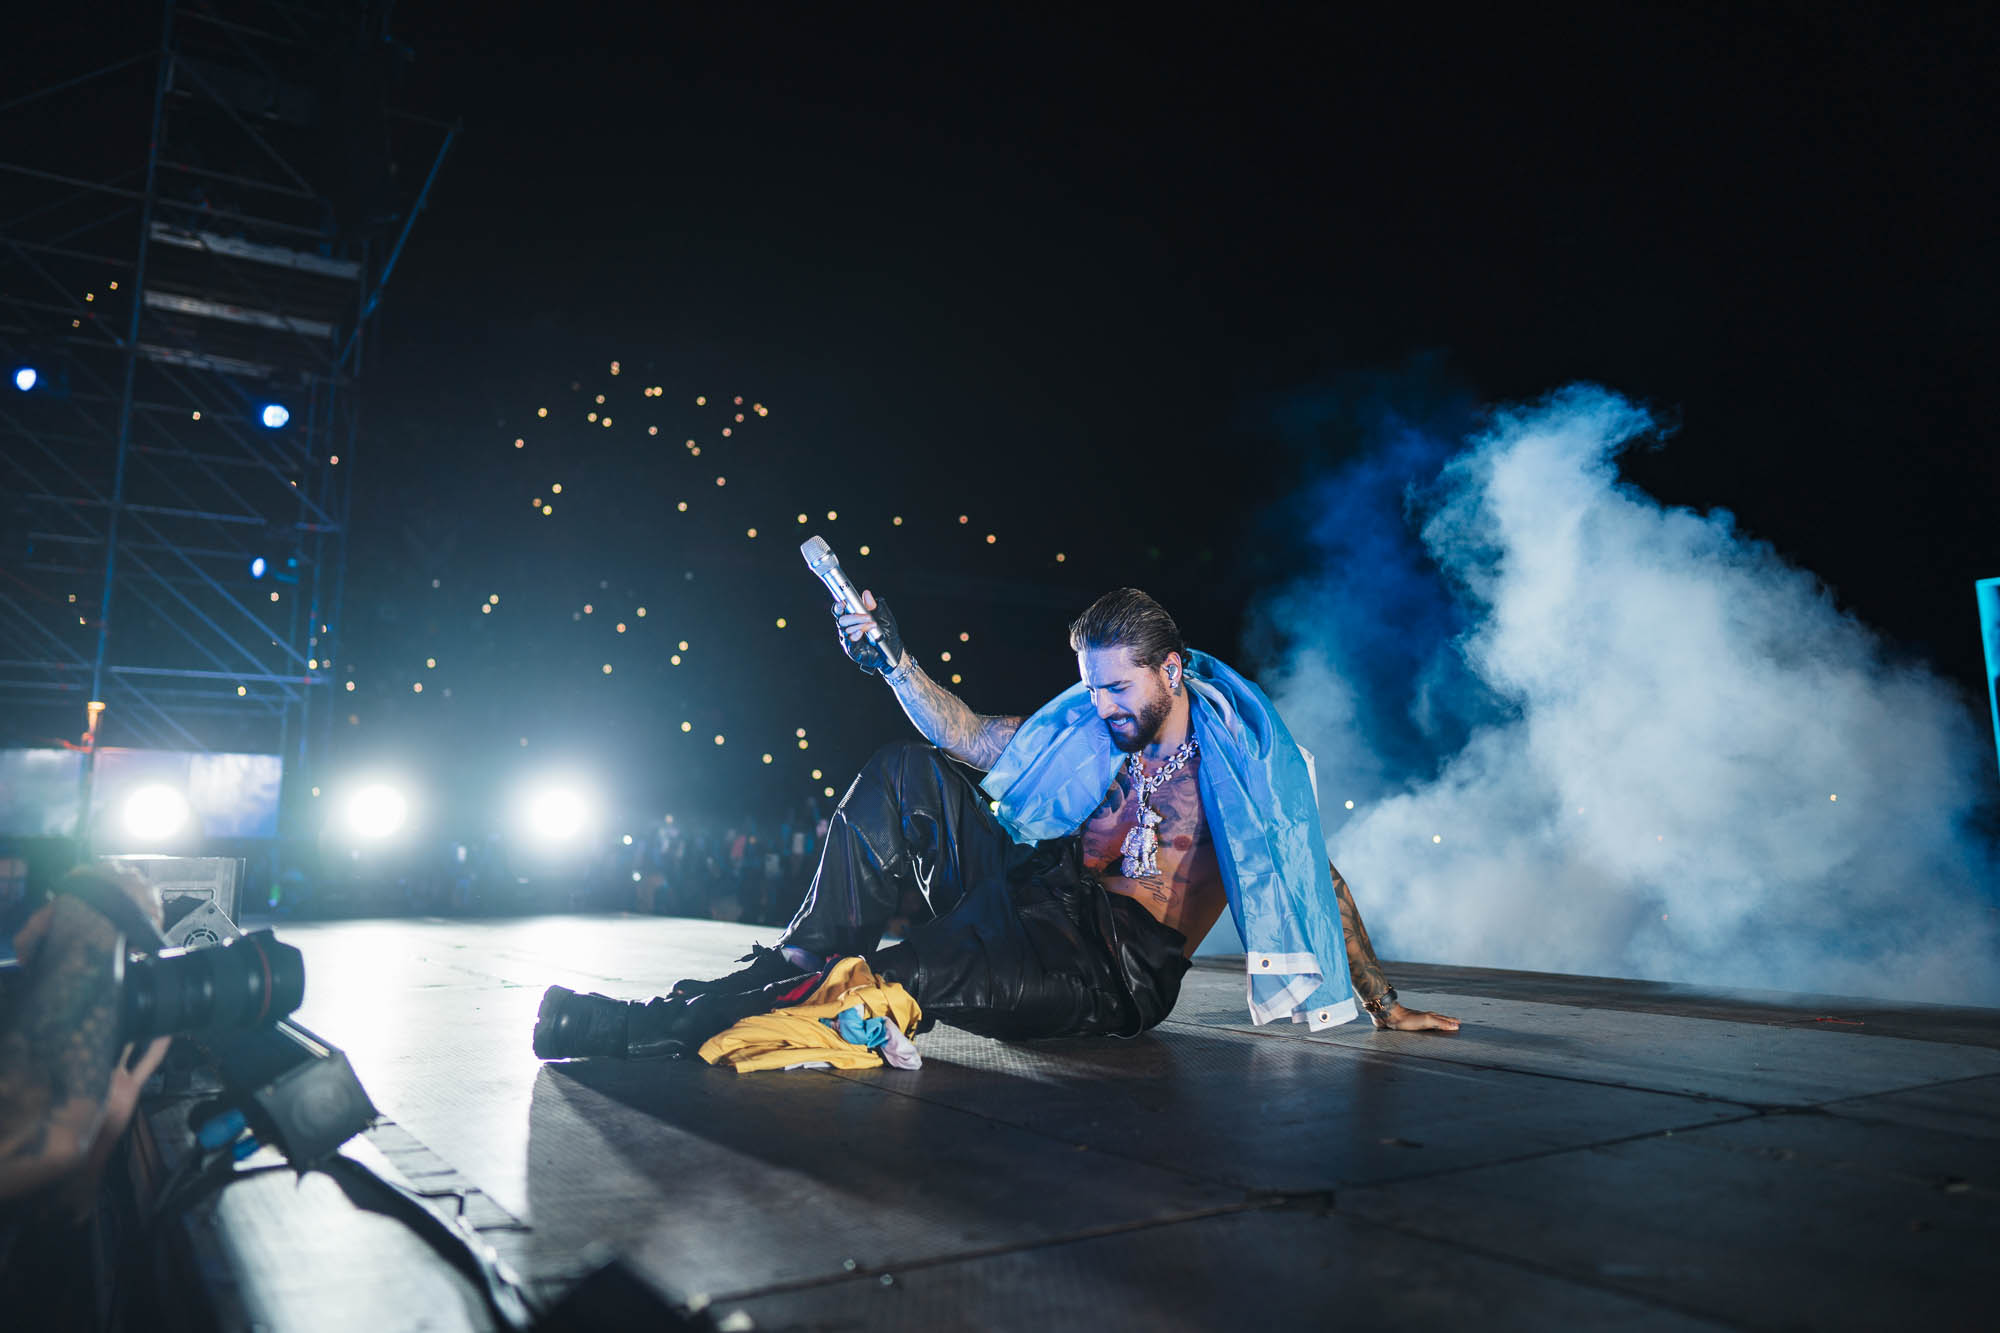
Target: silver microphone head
822, 561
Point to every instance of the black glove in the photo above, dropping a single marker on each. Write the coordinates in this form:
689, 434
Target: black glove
879, 659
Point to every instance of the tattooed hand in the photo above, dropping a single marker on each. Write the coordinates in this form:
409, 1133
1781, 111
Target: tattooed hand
1401, 1019
942, 717
65, 1091
1369, 981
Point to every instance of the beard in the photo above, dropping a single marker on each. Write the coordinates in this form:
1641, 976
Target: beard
1145, 728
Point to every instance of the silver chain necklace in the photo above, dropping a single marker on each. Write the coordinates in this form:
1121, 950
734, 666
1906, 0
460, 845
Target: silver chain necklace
1142, 844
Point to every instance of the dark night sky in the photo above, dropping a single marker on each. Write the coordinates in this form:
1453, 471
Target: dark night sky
1055, 274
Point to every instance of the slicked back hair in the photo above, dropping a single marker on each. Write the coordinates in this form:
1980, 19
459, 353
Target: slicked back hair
1129, 619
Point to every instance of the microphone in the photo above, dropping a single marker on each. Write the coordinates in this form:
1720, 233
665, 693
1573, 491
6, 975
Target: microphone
823, 562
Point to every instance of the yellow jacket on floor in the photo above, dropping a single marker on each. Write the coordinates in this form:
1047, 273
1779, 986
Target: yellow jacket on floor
795, 1035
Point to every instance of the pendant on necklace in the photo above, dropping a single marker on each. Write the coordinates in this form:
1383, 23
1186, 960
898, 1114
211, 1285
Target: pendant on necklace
1142, 846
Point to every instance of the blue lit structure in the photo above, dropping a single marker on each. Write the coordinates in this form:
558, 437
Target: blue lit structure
1988, 593
221, 291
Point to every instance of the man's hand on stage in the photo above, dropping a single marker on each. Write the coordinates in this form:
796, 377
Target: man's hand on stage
1402, 1019
1366, 970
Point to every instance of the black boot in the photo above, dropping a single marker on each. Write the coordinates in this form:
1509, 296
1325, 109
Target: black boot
765, 967
572, 1026
674, 1028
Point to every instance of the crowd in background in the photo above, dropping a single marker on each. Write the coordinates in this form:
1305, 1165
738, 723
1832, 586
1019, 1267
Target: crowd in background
743, 870
749, 868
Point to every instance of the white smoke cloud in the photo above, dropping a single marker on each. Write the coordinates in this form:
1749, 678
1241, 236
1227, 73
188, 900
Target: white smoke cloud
1701, 769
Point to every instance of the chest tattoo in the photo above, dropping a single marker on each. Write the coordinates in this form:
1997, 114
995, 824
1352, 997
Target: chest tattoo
1168, 832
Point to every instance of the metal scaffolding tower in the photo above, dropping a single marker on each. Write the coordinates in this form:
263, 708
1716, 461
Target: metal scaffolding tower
193, 240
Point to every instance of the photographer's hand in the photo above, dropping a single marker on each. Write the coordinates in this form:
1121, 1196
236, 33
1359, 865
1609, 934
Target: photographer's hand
77, 1194
63, 1089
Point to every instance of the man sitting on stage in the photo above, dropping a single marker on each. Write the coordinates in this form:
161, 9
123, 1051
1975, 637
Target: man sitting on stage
1132, 809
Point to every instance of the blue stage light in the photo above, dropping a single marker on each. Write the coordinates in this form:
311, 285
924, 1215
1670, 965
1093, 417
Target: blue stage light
25, 378
276, 415
257, 567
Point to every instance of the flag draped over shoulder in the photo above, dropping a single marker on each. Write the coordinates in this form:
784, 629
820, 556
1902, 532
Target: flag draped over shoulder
1257, 792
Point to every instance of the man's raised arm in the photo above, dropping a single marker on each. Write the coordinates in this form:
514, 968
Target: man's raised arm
939, 714
946, 722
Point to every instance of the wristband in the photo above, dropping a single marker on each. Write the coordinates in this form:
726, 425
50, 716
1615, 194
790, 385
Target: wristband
1382, 1003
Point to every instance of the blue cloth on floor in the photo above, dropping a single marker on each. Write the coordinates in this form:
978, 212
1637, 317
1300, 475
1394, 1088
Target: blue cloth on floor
856, 1027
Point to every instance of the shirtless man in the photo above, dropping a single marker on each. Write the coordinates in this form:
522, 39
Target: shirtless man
1086, 927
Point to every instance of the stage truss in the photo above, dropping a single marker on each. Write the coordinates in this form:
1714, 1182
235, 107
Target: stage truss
189, 236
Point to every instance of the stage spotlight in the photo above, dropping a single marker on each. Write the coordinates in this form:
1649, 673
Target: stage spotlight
376, 811
557, 814
276, 415
26, 378
257, 567
155, 812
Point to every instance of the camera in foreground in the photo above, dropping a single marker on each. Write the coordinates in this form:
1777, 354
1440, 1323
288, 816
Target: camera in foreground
248, 982
251, 981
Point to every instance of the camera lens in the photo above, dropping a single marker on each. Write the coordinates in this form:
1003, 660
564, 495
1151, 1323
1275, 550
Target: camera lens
246, 982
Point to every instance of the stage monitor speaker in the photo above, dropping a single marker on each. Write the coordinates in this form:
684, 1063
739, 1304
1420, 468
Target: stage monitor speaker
197, 894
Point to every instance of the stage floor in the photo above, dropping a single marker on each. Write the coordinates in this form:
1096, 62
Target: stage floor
1585, 1152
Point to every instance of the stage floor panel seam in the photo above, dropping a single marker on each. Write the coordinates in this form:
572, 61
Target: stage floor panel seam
1492, 1066
1543, 1154
1781, 1070
1908, 1021
863, 1078
859, 1077
849, 1289
1552, 1273
863, 1271
1897, 1092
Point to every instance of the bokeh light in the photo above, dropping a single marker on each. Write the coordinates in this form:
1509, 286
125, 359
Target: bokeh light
156, 811
376, 811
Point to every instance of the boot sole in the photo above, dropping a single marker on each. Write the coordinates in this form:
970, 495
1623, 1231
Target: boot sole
548, 1020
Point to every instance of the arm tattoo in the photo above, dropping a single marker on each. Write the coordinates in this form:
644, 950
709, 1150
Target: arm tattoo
1369, 981
59, 1044
947, 723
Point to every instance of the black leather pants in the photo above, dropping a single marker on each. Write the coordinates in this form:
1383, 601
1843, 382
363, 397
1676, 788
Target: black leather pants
1019, 941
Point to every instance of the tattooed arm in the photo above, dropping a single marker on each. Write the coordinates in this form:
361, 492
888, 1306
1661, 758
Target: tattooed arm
1370, 982
64, 1089
939, 714
56, 1052
948, 724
